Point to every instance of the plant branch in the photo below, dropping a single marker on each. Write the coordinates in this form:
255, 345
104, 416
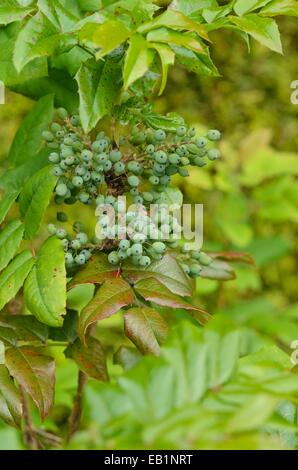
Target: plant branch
76, 413
29, 435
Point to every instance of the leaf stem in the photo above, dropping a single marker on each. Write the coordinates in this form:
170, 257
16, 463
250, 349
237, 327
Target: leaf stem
29, 435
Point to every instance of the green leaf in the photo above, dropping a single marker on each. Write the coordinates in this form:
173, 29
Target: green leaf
28, 140
168, 36
99, 84
194, 62
126, 357
45, 288
281, 7
97, 270
14, 275
175, 20
167, 58
264, 30
10, 239
10, 400
254, 413
8, 73
137, 61
218, 270
90, 358
9, 14
168, 123
32, 32
62, 18
146, 329
153, 291
167, 271
6, 202
187, 7
109, 299
35, 372
244, 6
16, 328
35, 198
106, 36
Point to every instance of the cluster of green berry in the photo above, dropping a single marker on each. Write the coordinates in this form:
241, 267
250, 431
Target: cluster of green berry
77, 249
139, 166
193, 262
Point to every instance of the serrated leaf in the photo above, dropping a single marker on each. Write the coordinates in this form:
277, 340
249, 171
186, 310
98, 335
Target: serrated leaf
10, 239
10, 400
194, 62
146, 329
167, 58
169, 123
14, 275
218, 270
109, 299
244, 6
153, 291
106, 36
264, 30
137, 61
281, 7
62, 18
9, 14
35, 372
192, 7
28, 140
35, 198
99, 84
45, 287
16, 328
168, 36
90, 358
175, 20
6, 202
97, 270
167, 271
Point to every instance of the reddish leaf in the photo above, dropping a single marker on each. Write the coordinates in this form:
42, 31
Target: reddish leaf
96, 271
146, 329
231, 256
153, 291
111, 296
90, 358
10, 399
218, 270
167, 271
35, 373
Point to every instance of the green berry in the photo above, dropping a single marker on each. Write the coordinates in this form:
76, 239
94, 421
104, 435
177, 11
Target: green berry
64, 243
174, 159
83, 197
185, 268
82, 237
195, 269
150, 149
69, 259
183, 172
148, 197
159, 247
107, 166
145, 261
75, 244
115, 156
201, 142
134, 167
205, 259
184, 161
133, 181
87, 155
214, 135
52, 229
62, 217
213, 154
119, 168
198, 161
86, 253
160, 157
54, 157
124, 244
75, 120
61, 189
181, 131
57, 171
154, 180
122, 255
159, 135
136, 249
196, 255
48, 136
62, 113
61, 233
55, 127
80, 259
96, 177
77, 181
192, 132
113, 258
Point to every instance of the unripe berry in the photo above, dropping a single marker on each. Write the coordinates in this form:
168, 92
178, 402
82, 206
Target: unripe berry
52, 229
150, 149
48, 136
122, 255
164, 180
87, 176
201, 142
214, 135
75, 120
145, 261
181, 131
101, 158
185, 268
192, 132
148, 197
75, 244
64, 243
198, 161
115, 156
159, 135
124, 244
86, 253
159, 247
54, 157
61, 233
87, 155
100, 200
195, 269
113, 258
57, 171
160, 157
77, 181
97, 177
213, 154
62, 113
133, 181
61, 189
62, 217
154, 180
184, 161
134, 191
80, 259
83, 197
119, 168
205, 259
136, 249
82, 237
174, 159
183, 172
107, 166
69, 259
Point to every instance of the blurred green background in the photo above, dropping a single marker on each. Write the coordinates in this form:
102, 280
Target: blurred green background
250, 199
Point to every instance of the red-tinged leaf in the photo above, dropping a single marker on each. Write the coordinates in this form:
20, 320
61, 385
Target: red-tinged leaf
218, 270
167, 271
231, 256
35, 372
10, 399
90, 358
146, 329
111, 296
96, 271
153, 291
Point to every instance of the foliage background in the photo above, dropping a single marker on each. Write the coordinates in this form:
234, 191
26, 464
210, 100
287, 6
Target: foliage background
250, 204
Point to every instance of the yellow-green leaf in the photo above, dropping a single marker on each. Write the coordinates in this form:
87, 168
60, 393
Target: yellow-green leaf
10, 239
138, 60
169, 36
